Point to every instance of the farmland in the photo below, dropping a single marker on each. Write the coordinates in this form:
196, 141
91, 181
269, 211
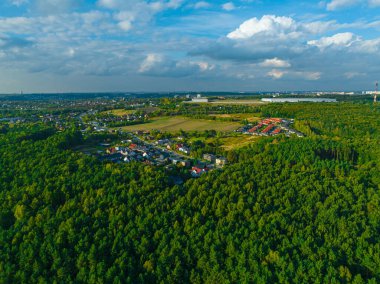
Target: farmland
177, 123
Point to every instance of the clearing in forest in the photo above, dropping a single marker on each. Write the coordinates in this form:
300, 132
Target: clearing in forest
231, 143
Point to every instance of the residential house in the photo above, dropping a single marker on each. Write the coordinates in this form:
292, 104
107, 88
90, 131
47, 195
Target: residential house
221, 161
209, 157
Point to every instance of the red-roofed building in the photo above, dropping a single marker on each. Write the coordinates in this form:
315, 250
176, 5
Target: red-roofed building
276, 131
268, 128
196, 171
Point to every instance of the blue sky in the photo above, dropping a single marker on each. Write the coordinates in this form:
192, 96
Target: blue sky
179, 45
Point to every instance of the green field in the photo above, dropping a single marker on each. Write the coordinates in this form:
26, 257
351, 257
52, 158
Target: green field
231, 143
238, 116
177, 123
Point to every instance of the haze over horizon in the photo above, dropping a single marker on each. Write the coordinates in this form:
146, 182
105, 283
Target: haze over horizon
179, 45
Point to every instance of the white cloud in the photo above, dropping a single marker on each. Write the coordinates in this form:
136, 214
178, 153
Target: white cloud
338, 40
130, 5
201, 5
229, 6
150, 61
204, 66
125, 19
125, 25
130, 13
268, 24
174, 4
280, 27
276, 74
338, 4
275, 62
163, 66
371, 46
319, 27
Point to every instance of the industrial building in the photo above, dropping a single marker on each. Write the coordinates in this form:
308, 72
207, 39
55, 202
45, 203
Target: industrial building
200, 99
298, 100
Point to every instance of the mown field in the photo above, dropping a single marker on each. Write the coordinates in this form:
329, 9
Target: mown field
177, 123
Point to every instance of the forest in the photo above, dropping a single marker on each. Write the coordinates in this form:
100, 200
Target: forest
286, 209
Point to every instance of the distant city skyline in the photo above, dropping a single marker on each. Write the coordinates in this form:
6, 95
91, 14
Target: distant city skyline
178, 45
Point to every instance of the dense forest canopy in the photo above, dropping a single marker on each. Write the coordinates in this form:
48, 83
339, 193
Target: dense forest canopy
286, 210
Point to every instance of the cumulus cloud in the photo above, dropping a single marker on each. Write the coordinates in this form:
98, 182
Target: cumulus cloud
150, 61
337, 40
229, 6
279, 27
261, 39
267, 25
275, 62
291, 52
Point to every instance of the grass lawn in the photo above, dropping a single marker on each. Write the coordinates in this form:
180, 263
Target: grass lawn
235, 142
170, 124
230, 142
